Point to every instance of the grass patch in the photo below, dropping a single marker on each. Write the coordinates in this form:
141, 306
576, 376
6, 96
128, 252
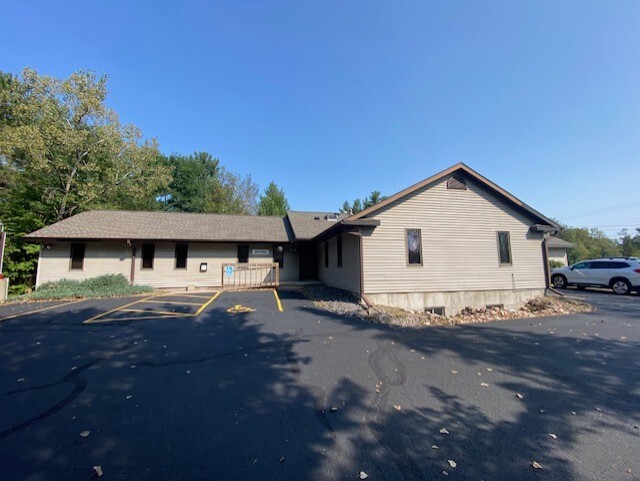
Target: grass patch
103, 286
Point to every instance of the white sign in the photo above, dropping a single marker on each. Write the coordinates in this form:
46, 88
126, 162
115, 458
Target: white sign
260, 252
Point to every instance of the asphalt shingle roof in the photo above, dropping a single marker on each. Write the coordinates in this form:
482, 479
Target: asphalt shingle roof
307, 225
557, 242
106, 224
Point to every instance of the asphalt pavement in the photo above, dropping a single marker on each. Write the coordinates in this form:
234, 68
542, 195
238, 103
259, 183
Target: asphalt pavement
246, 391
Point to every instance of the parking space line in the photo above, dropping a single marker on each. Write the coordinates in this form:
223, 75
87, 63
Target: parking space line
154, 311
136, 318
206, 304
36, 311
173, 302
196, 296
94, 318
275, 293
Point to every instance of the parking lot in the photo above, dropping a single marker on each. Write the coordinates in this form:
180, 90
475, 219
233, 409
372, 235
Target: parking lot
250, 385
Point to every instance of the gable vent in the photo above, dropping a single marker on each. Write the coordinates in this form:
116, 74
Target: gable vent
456, 182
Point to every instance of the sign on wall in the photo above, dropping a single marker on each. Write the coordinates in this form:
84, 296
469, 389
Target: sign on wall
260, 252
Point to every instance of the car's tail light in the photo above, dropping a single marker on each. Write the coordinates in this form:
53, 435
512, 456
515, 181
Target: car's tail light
637, 270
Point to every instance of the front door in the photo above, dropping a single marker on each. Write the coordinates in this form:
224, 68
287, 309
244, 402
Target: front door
308, 259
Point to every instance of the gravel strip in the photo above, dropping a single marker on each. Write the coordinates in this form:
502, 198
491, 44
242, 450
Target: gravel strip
344, 303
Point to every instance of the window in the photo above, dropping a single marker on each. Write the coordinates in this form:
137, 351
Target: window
243, 253
582, 265
326, 254
181, 256
504, 248
339, 251
278, 255
608, 265
414, 247
77, 256
148, 253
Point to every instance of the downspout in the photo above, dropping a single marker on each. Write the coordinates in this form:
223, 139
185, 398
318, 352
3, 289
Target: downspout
363, 297
547, 272
132, 276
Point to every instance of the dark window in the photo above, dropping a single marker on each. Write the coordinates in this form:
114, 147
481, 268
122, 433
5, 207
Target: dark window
326, 254
339, 251
414, 247
77, 256
243, 253
504, 248
181, 256
608, 265
148, 253
582, 265
278, 255
456, 182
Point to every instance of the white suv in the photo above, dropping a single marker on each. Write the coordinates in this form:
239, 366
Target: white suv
622, 274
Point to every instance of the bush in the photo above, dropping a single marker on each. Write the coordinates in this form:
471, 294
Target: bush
555, 264
102, 286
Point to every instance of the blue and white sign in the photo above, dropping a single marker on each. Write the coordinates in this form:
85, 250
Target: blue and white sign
228, 271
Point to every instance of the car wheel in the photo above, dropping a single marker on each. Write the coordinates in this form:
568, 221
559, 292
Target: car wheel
621, 286
559, 281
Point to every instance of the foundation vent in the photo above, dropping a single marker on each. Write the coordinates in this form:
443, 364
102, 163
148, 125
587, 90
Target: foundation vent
435, 310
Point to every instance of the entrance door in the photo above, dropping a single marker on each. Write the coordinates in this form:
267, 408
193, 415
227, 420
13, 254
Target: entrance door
308, 259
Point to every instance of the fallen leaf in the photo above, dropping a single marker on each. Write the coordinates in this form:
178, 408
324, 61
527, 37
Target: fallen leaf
453, 371
542, 411
599, 409
444, 431
334, 409
282, 459
363, 475
397, 407
489, 369
444, 473
85, 434
573, 412
452, 463
188, 372
519, 396
553, 436
98, 470
20, 379
484, 384
536, 465
433, 446
129, 396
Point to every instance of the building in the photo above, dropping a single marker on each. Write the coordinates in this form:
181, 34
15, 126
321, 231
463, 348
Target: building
453, 240
557, 249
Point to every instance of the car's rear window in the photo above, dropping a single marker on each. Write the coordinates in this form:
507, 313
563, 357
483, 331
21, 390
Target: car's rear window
609, 265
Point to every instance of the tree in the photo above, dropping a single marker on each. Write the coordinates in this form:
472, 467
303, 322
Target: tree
273, 201
359, 205
629, 245
200, 184
62, 151
590, 243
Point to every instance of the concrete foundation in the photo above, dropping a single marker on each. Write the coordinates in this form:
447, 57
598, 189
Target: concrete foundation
454, 302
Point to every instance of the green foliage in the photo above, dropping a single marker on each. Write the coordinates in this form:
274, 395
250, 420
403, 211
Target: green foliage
553, 264
200, 184
359, 205
63, 151
103, 286
590, 244
630, 245
273, 202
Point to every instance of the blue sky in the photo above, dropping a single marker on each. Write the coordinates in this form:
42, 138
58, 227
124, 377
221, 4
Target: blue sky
335, 99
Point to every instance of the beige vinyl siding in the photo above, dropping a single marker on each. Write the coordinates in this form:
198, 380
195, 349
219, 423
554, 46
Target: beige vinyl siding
459, 244
164, 273
115, 258
100, 258
558, 254
346, 277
